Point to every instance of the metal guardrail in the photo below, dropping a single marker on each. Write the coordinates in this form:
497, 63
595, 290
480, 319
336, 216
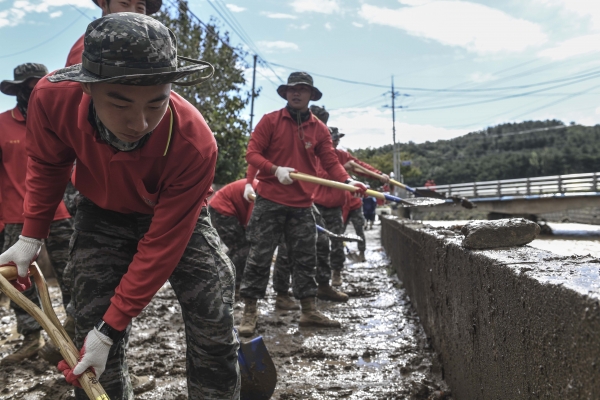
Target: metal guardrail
525, 186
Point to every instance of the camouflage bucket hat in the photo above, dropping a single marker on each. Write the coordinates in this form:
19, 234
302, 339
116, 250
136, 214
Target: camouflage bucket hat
152, 6
300, 78
335, 133
22, 74
321, 113
132, 49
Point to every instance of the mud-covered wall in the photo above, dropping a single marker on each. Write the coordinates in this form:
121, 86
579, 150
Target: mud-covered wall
515, 323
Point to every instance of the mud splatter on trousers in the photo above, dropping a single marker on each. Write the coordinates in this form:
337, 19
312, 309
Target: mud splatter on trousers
103, 246
270, 222
234, 236
282, 272
358, 221
57, 246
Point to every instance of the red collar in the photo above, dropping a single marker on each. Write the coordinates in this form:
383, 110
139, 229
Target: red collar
16, 114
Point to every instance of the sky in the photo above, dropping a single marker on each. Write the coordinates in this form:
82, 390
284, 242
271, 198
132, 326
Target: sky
457, 66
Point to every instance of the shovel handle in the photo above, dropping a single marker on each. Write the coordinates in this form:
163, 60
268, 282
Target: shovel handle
337, 185
48, 320
363, 170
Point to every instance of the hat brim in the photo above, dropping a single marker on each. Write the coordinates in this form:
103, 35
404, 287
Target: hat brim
76, 73
316, 93
11, 88
151, 6
338, 136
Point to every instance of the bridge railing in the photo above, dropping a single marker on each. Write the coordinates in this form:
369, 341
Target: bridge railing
524, 186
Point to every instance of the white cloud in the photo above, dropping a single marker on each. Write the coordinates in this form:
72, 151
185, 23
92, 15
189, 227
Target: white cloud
372, 127
328, 26
234, 8
586, 9
475, 27
301, 27
357, 24
20, 8
573, 47
56, 14
480, 77
277, 45
320, 6
278, 15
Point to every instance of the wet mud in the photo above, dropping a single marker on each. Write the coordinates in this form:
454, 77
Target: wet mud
381, 351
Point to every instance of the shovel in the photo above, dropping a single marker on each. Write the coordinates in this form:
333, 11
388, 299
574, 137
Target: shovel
48, 320
415, 202
417, 192
259, 375
345, 237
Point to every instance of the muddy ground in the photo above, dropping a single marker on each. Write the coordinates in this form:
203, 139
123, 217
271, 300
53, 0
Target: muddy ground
380, 352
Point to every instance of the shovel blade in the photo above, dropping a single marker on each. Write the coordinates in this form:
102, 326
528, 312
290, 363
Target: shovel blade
259, 375
422, 201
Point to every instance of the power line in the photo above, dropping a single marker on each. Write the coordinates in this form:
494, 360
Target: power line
44, 42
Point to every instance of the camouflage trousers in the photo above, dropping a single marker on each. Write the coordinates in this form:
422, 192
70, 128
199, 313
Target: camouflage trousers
358, 221
334, 222
234, 236
103, 246
57, 246
270, 222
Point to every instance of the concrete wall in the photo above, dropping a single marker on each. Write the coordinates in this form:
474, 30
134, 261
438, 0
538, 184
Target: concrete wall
516, 323
588, 215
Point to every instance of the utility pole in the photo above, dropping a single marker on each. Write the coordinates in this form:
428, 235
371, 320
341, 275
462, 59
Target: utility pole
396, 154
253, 94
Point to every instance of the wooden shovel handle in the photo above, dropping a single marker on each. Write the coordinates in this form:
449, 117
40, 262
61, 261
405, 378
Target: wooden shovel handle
338, 185
48, 320
360, 168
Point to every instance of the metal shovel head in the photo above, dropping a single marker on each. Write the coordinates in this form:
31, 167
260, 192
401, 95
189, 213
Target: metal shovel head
259, 375
422, 201
340, 237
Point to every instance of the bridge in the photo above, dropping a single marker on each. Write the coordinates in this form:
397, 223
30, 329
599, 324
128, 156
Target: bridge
528, 196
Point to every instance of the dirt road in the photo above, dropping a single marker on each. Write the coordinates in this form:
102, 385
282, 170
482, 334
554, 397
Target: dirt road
380, 352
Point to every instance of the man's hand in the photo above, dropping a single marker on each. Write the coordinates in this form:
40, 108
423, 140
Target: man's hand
283, 174
93, 356
348, 166
22, 254
361, 192
385, 178
248, 190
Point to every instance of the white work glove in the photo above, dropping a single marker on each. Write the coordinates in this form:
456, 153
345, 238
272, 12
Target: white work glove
361, 192
93, 356
283, 174
248, 190
22, 254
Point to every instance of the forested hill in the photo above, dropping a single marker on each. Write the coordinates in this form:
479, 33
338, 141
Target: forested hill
505, 151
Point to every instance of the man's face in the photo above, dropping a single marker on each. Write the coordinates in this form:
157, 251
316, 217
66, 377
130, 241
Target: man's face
299, 96
336, 142
116, 6
129, 112
31, 82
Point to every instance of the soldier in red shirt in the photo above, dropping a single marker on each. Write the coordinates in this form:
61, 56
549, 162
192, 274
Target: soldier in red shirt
287, 140
145, 164
13, 168
147, 7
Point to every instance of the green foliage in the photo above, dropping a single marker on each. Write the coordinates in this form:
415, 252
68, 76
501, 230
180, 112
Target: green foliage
496, 153
222, 98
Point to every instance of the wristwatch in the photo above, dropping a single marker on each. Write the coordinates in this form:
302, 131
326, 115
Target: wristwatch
109, 331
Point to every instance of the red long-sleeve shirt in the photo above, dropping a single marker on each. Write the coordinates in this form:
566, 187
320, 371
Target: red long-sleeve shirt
14, 168
230, 201
170, 178
75, 53
330, 197
277, 140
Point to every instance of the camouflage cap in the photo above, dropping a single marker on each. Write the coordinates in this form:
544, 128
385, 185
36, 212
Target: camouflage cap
335, 133
22, 74
152, 6
321, 113
131, 49
300, 78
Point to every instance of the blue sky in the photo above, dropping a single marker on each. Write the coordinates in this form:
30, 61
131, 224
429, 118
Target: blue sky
459, 66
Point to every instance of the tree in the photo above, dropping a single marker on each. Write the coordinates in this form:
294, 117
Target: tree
222, 98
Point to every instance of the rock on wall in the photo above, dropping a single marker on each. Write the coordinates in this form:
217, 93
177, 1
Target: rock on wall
513, 323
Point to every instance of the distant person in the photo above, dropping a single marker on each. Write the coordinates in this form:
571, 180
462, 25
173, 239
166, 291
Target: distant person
13, 171
284, 141
430, 184
369, 208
